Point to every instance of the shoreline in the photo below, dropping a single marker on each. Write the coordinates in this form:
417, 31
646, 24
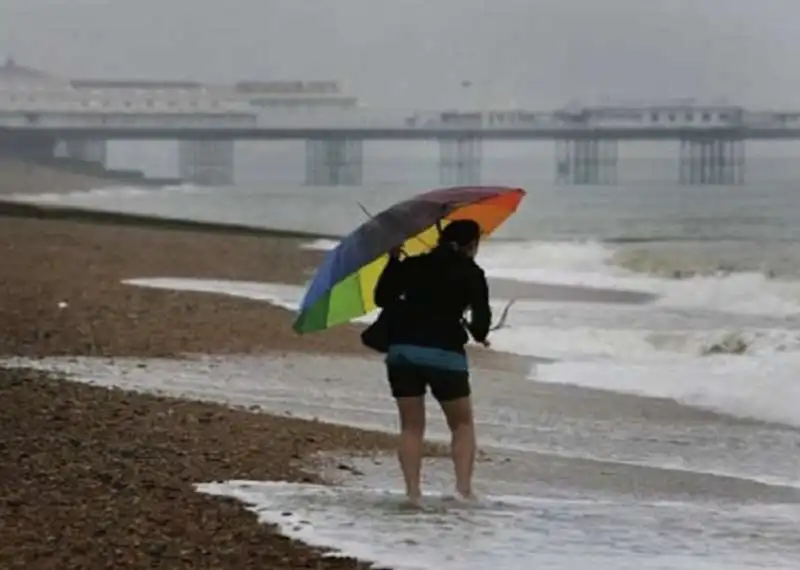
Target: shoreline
102, 470
121, 465
179, 442
70, 466
506, 288
82, 264
26, 210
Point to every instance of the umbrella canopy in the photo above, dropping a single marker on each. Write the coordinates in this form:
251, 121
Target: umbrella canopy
343, 287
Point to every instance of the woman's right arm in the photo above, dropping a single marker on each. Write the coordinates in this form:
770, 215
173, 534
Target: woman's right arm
481, 310
391, 283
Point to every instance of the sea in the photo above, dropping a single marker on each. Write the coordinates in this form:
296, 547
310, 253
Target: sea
662, 434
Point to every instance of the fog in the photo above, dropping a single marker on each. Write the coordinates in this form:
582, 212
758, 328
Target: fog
533, 53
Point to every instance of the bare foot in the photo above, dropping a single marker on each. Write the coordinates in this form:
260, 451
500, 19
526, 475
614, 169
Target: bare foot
466, 496
413, 502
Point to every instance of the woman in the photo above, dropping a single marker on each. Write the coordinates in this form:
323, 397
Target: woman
427, 296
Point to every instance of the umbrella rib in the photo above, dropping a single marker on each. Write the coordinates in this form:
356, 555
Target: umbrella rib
422, 241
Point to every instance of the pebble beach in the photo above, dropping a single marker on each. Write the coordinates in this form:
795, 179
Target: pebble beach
145, 360
98, 478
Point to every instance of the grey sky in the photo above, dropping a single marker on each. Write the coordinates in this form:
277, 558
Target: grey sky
536, 53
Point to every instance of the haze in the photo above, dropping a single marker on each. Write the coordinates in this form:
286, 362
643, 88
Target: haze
532, 53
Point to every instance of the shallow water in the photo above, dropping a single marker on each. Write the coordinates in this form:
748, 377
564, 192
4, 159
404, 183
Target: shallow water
510, 531
653, 424
514, 415
573, 476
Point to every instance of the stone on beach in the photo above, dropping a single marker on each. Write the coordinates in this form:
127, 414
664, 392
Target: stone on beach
98, 478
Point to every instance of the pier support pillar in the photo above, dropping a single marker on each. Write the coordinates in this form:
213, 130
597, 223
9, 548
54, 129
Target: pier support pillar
206, 162
334, 162
30, 146
708, 161
586, 161
460, 161
86, 150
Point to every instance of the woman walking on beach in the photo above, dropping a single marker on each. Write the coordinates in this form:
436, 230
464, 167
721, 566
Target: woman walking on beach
427, 296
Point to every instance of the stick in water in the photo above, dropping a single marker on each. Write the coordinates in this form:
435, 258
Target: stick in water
501, 322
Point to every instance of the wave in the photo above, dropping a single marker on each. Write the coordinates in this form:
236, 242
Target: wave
594, 265
764, 389
704, 368
106, 192
565, 339
674, 258
726, 342
596, 343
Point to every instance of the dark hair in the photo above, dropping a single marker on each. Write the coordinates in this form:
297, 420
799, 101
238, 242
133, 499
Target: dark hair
460, 233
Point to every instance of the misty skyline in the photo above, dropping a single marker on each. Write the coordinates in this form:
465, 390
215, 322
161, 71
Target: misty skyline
533, 54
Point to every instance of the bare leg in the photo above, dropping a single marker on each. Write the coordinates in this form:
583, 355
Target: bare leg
409, 452
463, 445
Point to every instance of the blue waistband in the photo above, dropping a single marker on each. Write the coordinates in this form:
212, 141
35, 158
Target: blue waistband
426, 356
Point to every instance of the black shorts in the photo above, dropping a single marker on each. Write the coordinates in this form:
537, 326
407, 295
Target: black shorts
410, 380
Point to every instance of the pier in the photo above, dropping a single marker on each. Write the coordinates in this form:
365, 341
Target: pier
705, 160
586, 161
42, 116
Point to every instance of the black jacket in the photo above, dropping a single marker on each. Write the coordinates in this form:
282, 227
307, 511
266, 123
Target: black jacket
427, 296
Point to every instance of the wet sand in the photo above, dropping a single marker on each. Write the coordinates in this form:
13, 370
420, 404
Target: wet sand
98, 471
509, 408
83, 264
62, 295
47, 262
92, 477
96, 478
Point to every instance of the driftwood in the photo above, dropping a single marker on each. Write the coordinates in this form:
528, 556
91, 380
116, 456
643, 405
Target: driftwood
501, 322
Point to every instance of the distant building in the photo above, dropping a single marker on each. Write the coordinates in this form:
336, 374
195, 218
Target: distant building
271, 94
19, 77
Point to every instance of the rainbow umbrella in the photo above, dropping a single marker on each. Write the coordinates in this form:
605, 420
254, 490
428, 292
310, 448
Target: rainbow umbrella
343, 287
